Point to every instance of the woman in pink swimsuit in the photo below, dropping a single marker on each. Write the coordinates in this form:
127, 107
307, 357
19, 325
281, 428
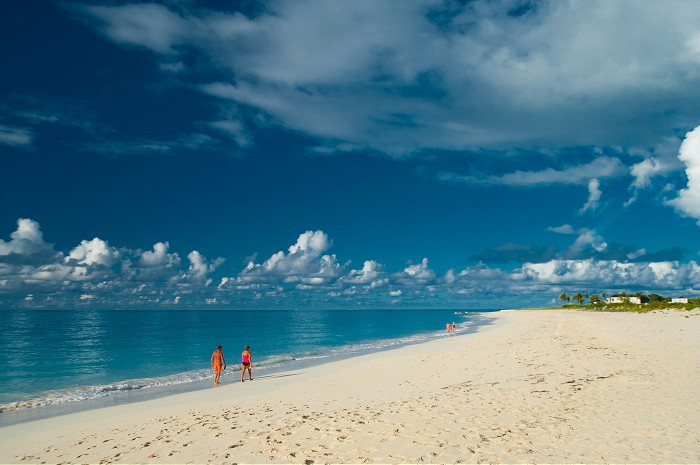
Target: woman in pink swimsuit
246, 363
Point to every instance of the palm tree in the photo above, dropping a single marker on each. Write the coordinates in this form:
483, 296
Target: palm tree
578, 297
565, 297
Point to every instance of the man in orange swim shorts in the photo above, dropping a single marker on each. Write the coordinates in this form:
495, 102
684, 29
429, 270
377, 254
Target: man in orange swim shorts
217, 362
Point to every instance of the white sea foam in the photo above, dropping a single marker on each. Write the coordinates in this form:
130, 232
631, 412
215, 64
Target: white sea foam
82, 393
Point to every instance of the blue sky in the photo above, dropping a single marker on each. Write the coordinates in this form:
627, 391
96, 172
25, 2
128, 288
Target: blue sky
347, 154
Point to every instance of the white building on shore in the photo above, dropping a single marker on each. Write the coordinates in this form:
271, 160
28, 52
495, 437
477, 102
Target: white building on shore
679, 300
619, 299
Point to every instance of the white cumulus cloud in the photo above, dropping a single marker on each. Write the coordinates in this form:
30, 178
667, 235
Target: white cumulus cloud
688, 200
420, 271
371, 270
27, 239
94, 272
94, 252
200, 268
159, 257
304, 262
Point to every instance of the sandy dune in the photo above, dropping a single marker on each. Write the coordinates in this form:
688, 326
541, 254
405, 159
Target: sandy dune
535, 386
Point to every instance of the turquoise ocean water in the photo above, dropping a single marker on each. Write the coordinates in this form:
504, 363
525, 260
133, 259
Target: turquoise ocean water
54, 362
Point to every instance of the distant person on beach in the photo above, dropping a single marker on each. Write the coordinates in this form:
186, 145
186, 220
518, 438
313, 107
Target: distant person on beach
454, 328
246, 363
447, 328
218, 363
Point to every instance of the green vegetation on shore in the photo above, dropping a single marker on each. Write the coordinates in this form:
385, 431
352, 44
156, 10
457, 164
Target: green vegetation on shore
640, 302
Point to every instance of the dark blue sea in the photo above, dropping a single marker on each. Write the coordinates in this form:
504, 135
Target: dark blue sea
54, 362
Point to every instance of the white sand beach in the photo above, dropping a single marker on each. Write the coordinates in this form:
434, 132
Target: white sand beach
535, 386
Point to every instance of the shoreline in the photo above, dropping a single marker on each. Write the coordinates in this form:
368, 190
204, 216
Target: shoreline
13, 416
555, 386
